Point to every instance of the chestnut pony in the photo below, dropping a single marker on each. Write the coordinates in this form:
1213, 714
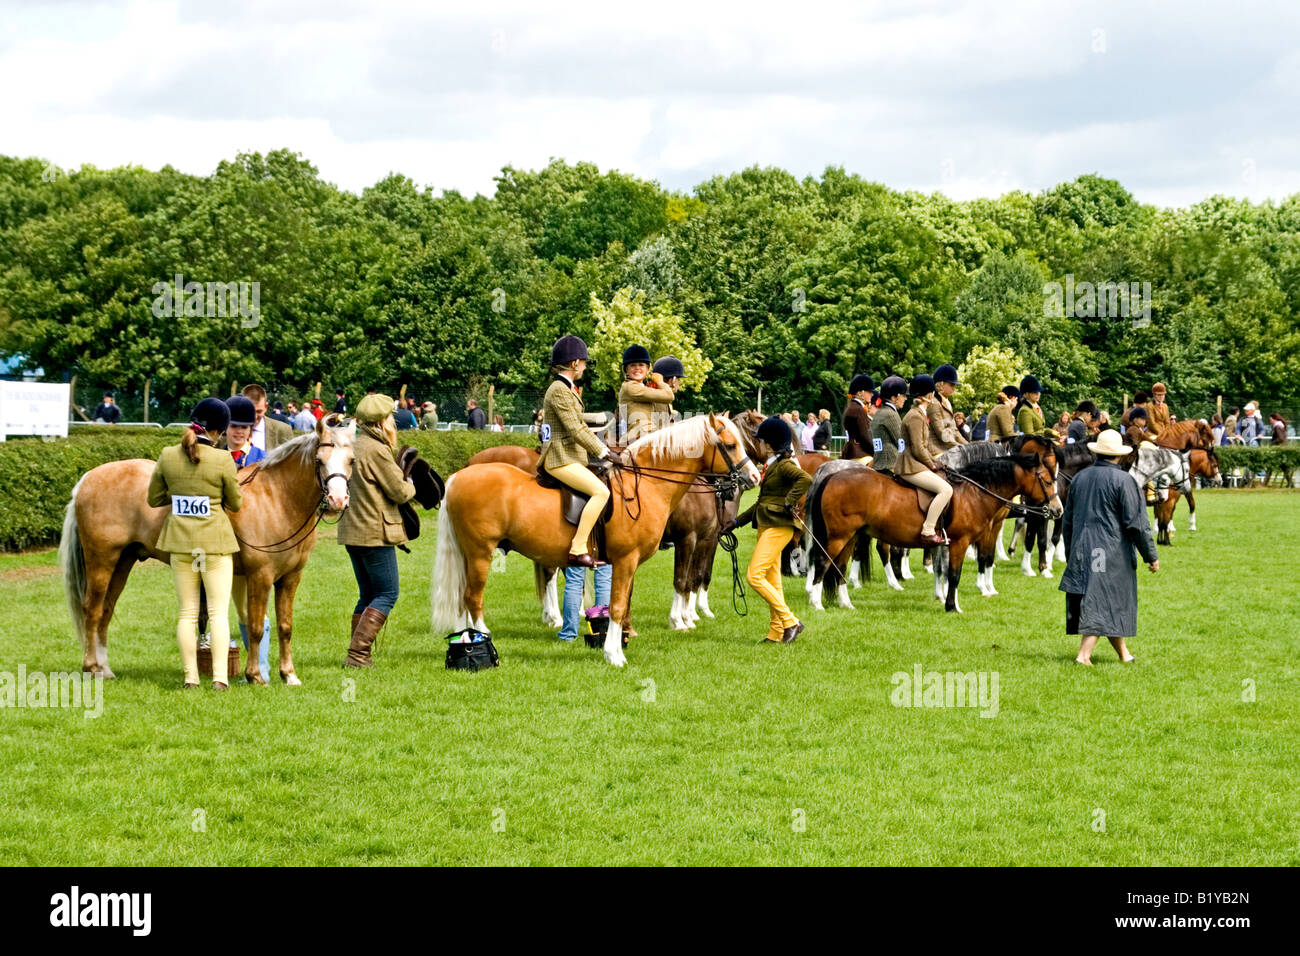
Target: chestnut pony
493, 503
1203, 463
864, 500
108, 526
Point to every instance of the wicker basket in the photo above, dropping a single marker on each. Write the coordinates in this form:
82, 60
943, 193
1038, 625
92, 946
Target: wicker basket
232, 663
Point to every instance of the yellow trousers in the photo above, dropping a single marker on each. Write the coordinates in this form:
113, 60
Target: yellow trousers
942, 495
764, 577
579, 478
215, 571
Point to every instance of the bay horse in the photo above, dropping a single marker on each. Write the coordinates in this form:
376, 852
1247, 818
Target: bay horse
1186, 435
108, 526
492, 503
1202, 463
854, 500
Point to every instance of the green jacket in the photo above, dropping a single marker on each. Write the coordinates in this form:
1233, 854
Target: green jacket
784, 484
376, 488
1030, 420
886, 437
213, 478
429, 421
1001, 422
566, 439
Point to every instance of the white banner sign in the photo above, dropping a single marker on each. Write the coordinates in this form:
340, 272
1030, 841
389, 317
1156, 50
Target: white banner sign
34, 408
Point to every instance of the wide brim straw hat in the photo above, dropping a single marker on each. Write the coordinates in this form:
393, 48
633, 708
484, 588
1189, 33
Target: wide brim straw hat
1110, 444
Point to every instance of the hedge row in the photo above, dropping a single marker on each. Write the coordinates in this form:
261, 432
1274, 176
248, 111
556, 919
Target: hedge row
37, 476
1268, 460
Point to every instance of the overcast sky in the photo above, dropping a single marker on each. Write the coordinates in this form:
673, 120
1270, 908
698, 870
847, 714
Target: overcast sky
1176, 100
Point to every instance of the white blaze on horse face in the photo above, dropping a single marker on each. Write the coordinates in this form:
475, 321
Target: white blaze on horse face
750, 472
338, 463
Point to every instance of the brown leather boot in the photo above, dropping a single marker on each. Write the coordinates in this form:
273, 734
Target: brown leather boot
368, 624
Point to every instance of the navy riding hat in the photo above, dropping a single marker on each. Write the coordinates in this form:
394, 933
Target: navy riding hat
242, 410
635, 353
894, 385
775, 433
1030, 384
212, 414
670, 367
946, 373
1011, 392
568, 348
1137, 412
921, 385
862, 383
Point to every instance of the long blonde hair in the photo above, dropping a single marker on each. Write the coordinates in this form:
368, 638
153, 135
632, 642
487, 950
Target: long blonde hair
385, 431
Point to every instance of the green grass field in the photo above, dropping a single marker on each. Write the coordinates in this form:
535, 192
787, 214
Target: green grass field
707, 749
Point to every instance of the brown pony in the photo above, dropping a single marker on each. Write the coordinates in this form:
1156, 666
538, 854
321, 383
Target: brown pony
862, 499
1203, 463
108, 526
489, 504
1181, 436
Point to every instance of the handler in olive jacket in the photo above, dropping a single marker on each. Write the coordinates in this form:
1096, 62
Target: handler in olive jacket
887, 427
196, 480
784, 484
371, 526
1105, 520
857, 420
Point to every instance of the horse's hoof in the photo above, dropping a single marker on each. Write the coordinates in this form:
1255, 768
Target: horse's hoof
1047, 574
616, 659
255, 679
107, 674
291, 680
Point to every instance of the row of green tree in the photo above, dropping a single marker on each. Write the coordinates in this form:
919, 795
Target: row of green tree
758, 279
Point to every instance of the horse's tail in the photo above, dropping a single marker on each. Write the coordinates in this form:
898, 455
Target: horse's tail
813, 510
539, 580
449, 579
72, 561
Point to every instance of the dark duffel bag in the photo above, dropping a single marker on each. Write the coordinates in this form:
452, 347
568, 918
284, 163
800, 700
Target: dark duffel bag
474, 655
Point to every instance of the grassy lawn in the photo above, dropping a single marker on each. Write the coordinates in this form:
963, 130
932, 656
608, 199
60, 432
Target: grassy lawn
707, 749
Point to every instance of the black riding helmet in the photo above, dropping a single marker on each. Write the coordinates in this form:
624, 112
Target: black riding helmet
242, 410
212, 414
635, 353
670, 367
946, 373
861, 383
775, 433
568, 348
921, 385
894, 385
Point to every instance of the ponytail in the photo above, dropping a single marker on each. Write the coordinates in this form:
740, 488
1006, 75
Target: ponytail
190, 441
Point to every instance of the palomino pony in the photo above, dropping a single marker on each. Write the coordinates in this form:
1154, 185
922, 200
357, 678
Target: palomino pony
489, 504
109, 526
862, 499
1202, 463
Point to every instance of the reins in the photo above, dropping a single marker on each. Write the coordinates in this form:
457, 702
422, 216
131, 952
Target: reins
322, 506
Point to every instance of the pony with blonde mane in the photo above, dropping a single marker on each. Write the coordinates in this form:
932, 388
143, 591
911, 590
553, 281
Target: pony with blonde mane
491, 504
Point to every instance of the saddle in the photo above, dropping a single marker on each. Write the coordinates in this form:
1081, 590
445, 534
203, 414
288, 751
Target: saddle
429, 489
923, 499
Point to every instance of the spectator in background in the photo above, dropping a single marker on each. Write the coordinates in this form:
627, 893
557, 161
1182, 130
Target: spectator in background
1216, 426
1230, 427
340, 402
429, 420
107, 412
277, 413
266, 434
1279, 428
810, 433
981, 430
822, 437
403, 418
1063, 423
1248, 427
304, 421
292, 409
317, 409
498, 424
477, 419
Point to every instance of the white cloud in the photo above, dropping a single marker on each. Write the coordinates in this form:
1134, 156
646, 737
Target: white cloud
971, 98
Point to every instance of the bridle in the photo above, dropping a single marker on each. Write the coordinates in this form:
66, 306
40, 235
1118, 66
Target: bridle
1040, 511
322, 506
725, 487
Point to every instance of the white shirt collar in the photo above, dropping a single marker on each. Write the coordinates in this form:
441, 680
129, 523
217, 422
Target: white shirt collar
258, 438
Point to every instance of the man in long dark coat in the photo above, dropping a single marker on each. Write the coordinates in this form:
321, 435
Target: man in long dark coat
1105, 520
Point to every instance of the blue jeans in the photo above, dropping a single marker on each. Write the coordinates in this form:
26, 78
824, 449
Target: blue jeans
376, 574
264, 649
574, 578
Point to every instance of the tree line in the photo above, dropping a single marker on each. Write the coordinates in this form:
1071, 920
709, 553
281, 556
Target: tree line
774, 282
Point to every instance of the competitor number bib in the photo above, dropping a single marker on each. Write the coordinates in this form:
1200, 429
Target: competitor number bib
191, 506
901, 444
877, 445
545, 432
